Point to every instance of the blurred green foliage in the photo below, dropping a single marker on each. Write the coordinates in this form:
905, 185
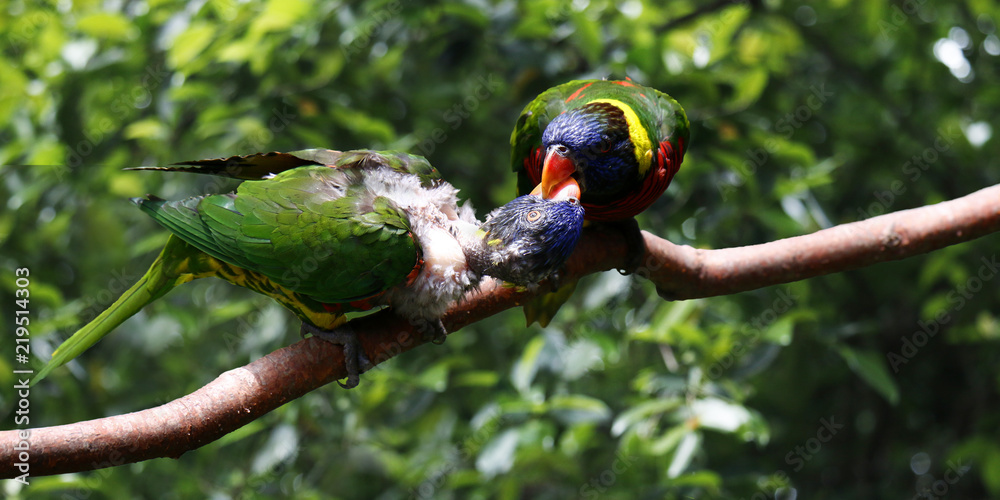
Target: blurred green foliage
804, 116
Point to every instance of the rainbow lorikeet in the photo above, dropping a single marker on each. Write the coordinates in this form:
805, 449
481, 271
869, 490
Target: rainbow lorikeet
326, 232
621, 142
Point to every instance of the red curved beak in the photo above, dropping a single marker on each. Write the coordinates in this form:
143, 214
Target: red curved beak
557, 181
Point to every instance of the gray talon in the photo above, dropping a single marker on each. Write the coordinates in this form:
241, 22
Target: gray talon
354, 356
436, 329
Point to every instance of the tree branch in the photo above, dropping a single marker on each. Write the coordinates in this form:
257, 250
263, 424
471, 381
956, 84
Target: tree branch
239, 396
682, 272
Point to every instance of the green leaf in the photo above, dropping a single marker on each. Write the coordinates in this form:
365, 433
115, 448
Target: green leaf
669, 440
669, 317
365, 125
685, 453
700, 479
280, 15
150, 128
870, 366
498, 455
239, 434
588, 36
527, 366
642, 411
780, 332
106, 25
281, 446
479, 378
749, 88
580, 358
238, 51
435, 377
714, 413
190, 44
578, 438
991, 471
578, 408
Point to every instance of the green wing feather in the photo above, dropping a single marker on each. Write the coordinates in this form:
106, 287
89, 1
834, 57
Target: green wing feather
306, 229
249, 167
395, 160
265, 165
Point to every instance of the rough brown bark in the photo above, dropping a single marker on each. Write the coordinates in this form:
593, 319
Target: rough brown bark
242, 395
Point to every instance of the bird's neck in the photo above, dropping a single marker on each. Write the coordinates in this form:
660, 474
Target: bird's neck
475, 247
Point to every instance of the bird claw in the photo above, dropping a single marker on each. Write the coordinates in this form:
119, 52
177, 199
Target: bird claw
435, 328
355, 360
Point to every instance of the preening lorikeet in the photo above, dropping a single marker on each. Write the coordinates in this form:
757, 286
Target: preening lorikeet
326, 232
620, 141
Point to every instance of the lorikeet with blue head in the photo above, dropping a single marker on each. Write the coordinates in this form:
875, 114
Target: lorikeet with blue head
620, 142
327, 232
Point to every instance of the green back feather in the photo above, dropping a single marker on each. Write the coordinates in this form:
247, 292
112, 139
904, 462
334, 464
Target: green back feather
311, 229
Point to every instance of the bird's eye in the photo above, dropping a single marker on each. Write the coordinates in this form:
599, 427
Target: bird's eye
533, 215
